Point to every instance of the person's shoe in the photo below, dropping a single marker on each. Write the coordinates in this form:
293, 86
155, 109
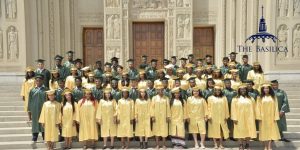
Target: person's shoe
145, 145
247, 146
105, 147
202, 146
111, 147
196, 146
285, 140
141, 145
232, 139
241, 147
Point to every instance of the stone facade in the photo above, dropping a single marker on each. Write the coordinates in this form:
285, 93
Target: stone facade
42, 29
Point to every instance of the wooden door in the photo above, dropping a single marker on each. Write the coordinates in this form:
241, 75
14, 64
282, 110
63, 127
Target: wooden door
93, 46
204, 42
148, 39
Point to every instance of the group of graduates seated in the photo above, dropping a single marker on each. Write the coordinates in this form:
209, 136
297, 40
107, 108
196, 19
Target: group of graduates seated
196, 98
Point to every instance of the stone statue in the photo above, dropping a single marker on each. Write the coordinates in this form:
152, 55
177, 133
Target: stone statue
109, 27
283, 7
12, 43
1, 44
282, 39
11, 9
112, 3
180, 27
187, 27
296, 7
116, 26
113, 52
296, 40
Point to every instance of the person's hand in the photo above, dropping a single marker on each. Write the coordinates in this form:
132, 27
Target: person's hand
118, 121
74, 123
281, 114
235, 121
136, 120
78, 123
187, 120
23, 98
99, 121
168, 120
205, 118
131, 121
43, 125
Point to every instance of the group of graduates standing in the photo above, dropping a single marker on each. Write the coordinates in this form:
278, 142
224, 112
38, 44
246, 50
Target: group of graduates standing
196, 98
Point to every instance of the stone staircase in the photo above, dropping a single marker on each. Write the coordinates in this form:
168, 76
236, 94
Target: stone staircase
15, 133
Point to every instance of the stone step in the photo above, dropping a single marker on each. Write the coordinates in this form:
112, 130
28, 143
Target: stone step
11, 98
293, 128
11, 103
255, 145
293, 122
13, 124
12, 108
13, 118
295, 110
292, 135
16, 137
16, 130
293, 116
12, 113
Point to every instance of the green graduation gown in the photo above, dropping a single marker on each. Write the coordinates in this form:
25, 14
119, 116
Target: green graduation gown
116, 93
133, 94
167, 92
47, 75
97, 93
151, 92
58, 96
230, 94
133, 73
243, 71
151, 73
36, 99
78, 93
207, 92
283, 105
224, 70
98, 73
63, 71
69, 64
253, 93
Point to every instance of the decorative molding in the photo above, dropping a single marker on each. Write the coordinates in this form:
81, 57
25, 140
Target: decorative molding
1, 43
11, 9
296, 41
91, 17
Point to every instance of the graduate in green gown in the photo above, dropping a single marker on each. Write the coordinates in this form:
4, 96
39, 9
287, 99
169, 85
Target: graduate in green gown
98, 71
151, 70
36, 99
150, 90
42, 70
60, 90
64, 72
244, 68
192, 83
97, 91
133, 92
115, 92
251, 91
225, 69
283, 107
70, 62
232, 57
78, 65
166, 90
144, 65
209, 88
78, 91
132, 72
230, 94
174, 63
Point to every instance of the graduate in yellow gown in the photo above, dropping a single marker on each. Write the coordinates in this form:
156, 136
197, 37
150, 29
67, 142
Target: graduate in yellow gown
125, 117
218, 78
243, 116
27, 85
143, 118
257, 75
86, 118
70, 80
176, 126
267, 114
50, 118
107, 117
200, 82
90, 81
160, 109
142, 79
235, 79
196, 115
218, 113
53, 85
69, 110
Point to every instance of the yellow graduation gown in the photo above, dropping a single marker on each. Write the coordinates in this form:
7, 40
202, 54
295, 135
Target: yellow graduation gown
89, 85
184, 84
176, 126
219, 82
68, 117
218, 113
157, 82
70, 82
86, 117
243, 111
196, 110
51, 116
160, 109
107, 112
53, 86
235, 84
143, 117
125, 113
142, 84
84, 81
267, 114
201, 84
258, 79
26, 87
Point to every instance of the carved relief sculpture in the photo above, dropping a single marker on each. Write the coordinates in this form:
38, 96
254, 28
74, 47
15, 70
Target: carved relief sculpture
113, 52
116, 26
282, 39
12, 43
149, 4
112, 3
113, 27
296, 7
296, 40
11, 9
283, 7
183, 26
